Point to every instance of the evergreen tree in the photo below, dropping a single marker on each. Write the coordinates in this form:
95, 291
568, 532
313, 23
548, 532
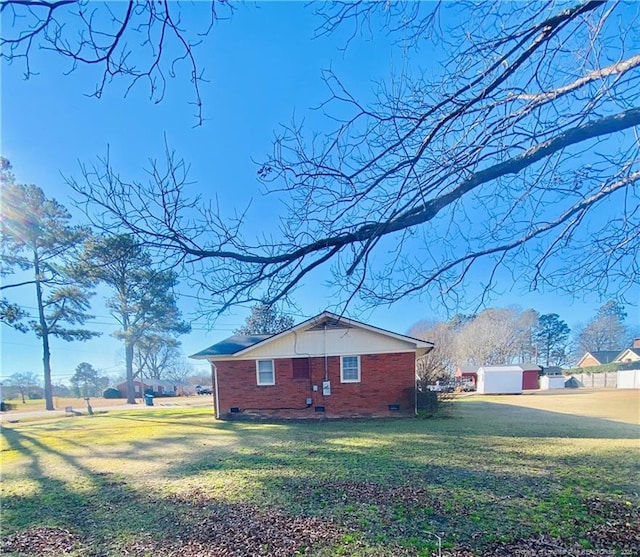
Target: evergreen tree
550, 338
38, 240
143, 302
86, 380
265, 320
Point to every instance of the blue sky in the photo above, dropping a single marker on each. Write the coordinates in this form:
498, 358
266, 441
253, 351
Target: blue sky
263, 66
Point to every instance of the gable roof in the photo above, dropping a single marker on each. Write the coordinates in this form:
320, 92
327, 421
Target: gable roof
619, 357
601, 356
242, 344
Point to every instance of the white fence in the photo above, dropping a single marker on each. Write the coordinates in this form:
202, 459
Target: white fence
629, 379
607, 380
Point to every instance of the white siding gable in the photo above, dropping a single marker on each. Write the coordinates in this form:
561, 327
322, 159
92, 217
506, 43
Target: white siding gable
332, 342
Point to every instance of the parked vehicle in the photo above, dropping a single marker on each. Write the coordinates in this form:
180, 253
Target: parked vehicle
204, 390
442, 387
466, 385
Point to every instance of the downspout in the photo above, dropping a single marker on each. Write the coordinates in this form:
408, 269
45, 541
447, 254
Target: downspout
216, 401
415, 386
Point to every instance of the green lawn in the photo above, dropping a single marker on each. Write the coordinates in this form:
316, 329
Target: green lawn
500, 476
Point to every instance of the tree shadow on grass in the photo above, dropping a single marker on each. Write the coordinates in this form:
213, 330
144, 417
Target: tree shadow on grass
386, 482
400, 478
98, 513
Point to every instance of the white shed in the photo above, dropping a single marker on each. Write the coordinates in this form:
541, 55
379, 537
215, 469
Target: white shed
499, 380
548, 382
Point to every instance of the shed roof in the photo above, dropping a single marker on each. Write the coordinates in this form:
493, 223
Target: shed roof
500, 368
530, 367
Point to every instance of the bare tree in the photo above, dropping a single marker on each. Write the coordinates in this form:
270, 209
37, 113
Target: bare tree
606, 331
23, 382
501, 154
180, 372
497, 336
136, 40
157, 355
439, 363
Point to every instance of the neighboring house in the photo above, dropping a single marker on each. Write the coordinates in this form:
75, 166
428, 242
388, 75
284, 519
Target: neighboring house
159, 387
598, 358
630, 354
326, 366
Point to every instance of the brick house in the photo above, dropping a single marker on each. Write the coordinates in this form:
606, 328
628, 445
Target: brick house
327, 366
158, 387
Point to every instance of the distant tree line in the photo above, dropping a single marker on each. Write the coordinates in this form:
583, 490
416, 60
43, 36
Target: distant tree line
511, 335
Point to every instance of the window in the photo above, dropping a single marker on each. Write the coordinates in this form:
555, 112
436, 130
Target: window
350, 369
300, 368
265, 372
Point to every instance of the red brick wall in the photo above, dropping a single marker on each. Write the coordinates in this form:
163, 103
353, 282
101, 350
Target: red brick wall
384, 379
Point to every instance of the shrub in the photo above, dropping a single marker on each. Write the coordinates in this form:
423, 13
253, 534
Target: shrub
427, 403
605, 368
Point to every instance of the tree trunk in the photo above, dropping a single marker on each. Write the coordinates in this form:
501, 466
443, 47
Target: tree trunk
128, 355
46, 352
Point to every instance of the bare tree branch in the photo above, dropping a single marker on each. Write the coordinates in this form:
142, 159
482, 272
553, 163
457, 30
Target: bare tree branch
506, 154
134, 40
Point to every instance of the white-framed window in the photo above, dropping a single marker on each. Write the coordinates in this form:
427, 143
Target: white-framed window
350, 369
265, 372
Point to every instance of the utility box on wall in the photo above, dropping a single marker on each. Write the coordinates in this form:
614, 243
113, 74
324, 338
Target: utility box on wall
326, 388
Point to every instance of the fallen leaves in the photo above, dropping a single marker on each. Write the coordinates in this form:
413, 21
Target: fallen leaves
42, 541
201, 526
